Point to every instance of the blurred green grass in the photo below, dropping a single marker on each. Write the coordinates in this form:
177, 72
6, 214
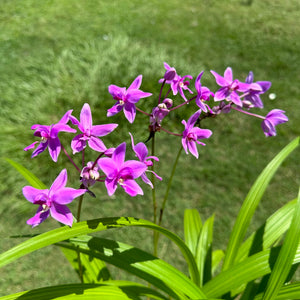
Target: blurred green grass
57, 55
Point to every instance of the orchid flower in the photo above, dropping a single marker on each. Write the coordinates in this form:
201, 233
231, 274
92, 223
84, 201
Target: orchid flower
191, 134
53, 201
229, 87
203, 94
90, 132
141, 153
121, 172
49, 137
127, 98
272, 119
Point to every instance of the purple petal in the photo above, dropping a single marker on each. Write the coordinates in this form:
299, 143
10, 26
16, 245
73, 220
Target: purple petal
235, 98
54, 148
198, 83
86, 117
193, 148
78, 143
137, 168
268, 128
114, 110
30, 146
119, 154
108, 167
111, 186
66, 117
146, 179
192, 120
40, 148
116, 92
56, 128
201, 133
59, 183
184, 145
221, 94
102, 130
132, 188
265, 85
96, 144
221, 81
136, 83
228, 74
66, 195
129, 112
32, 194
38, 218
250, 77
134, 96
62, 214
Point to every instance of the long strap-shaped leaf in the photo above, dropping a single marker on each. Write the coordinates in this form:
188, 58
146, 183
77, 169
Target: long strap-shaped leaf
137, 262
270, 232
250, 204
289, 291
249, 269
90, 226
285, 257
109, 290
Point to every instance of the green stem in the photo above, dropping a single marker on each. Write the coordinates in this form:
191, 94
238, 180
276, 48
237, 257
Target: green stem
154, 203
80, 271
169, 186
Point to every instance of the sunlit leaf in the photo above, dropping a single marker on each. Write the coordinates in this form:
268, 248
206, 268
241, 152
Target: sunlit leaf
251, 202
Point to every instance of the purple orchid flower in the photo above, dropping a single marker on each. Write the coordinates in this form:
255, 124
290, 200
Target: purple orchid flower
255, 89
127, 98
203, 94
49, 137
272, 119
191, 134
178, 83
141, 153
121, 172
90, 133
53, 201
229, 87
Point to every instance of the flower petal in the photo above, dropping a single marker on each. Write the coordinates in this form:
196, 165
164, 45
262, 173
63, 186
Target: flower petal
111, 186
86, 117
54, 148
59, 183
66, 195
102, 130
136, 83
38, 218
61, 213
78, 143
137, 168
32, 194
96, 144
132, 188
129, 111
108, 166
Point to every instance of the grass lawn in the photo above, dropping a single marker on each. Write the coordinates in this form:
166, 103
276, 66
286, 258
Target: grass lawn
56, 55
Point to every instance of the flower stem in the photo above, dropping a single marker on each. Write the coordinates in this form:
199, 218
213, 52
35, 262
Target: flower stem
70, 159
247, 113
154, 203
80, 270
143, 112
169, 186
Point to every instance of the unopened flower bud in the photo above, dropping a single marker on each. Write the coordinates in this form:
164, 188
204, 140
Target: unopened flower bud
168, 102
170, 74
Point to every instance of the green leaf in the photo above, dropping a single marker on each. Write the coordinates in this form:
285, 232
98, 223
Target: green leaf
31, 178
217, 257
122, 290
270, 232
140, 263
286, 256
90, 226
203, 252
93, 270
250, 204
251, 268
289, 291
192, 228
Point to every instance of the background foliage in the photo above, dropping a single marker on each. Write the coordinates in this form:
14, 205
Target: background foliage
56, 55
